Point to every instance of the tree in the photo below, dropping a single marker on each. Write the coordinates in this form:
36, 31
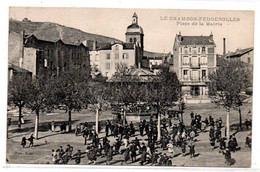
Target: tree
227, 85
98, 94
164, 90
126, 88
18, 91
71, 90
40, 97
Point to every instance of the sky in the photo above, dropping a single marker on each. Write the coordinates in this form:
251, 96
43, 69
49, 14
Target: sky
160, 25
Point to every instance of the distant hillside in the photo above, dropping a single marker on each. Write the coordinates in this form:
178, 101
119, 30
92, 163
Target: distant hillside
53, 32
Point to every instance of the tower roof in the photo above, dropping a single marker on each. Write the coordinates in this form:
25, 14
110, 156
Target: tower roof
134, 27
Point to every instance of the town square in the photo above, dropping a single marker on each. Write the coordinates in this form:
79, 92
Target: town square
175, 94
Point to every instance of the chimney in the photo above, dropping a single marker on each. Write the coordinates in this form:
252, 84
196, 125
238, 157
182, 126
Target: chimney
94, 45
211, 36
179, 36
224, 46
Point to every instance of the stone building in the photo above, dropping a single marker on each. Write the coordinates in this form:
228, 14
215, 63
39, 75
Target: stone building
246, 55
193, 59
41, 54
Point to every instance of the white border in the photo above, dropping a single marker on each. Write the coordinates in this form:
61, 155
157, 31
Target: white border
163, 4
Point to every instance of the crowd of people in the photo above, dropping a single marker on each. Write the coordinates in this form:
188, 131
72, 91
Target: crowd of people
129, 141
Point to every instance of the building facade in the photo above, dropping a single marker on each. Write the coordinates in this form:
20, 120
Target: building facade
193, 59
44, 55
246, 55
108, 57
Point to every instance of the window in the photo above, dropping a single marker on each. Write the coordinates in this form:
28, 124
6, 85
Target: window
203, 60
210, 50
185, 72
186, 60
116, 56
185, 51
194, 51
108, 56
131, 40
116, 48
190, 50
45, 63
125, 56
248, 60
199, 50
107, 66
203, 50
134, 40
203, 74
181, 50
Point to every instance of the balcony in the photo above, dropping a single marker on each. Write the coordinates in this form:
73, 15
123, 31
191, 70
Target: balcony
195, 65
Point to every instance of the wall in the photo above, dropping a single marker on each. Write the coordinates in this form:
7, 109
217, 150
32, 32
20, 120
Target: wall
15, 43
29, 60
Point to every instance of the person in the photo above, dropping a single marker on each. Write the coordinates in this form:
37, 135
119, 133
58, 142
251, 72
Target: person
155, 157
192, 148
108, 125
143, 148
248, 142
65, 158
107, 147
183, 148
218, 134
61, 151
211, 132
117, 145
247, 124
222, 143
137, 143
228, 158
54, 157
161, 160
52, 126
170, 147
77, 157
85, 136
126, 156
143, 158
212, 142
92, 155
132, 148
109, 155
69, 150
23, 143
192, 134
31, 138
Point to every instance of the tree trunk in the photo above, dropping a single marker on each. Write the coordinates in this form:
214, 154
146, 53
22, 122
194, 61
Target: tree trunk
240, 118
20, 118
159, 127
227, 123
36, 128
97, 115
69, 120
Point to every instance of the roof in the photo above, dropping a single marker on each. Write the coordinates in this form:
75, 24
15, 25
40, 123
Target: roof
54, 41
17, 68
134, 28
109, 46
196, 40
153, 55
239, 52
140, 74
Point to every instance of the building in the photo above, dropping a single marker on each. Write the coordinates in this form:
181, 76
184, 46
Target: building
107, 57
16, 71
193, 59
246, 55
40, 54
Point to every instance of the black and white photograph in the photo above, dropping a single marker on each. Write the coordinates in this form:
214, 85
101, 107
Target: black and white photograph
130, 87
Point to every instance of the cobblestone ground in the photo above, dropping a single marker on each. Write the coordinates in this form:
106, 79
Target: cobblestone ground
205, 156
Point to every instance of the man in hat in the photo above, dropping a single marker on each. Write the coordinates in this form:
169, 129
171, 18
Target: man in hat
108, 124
